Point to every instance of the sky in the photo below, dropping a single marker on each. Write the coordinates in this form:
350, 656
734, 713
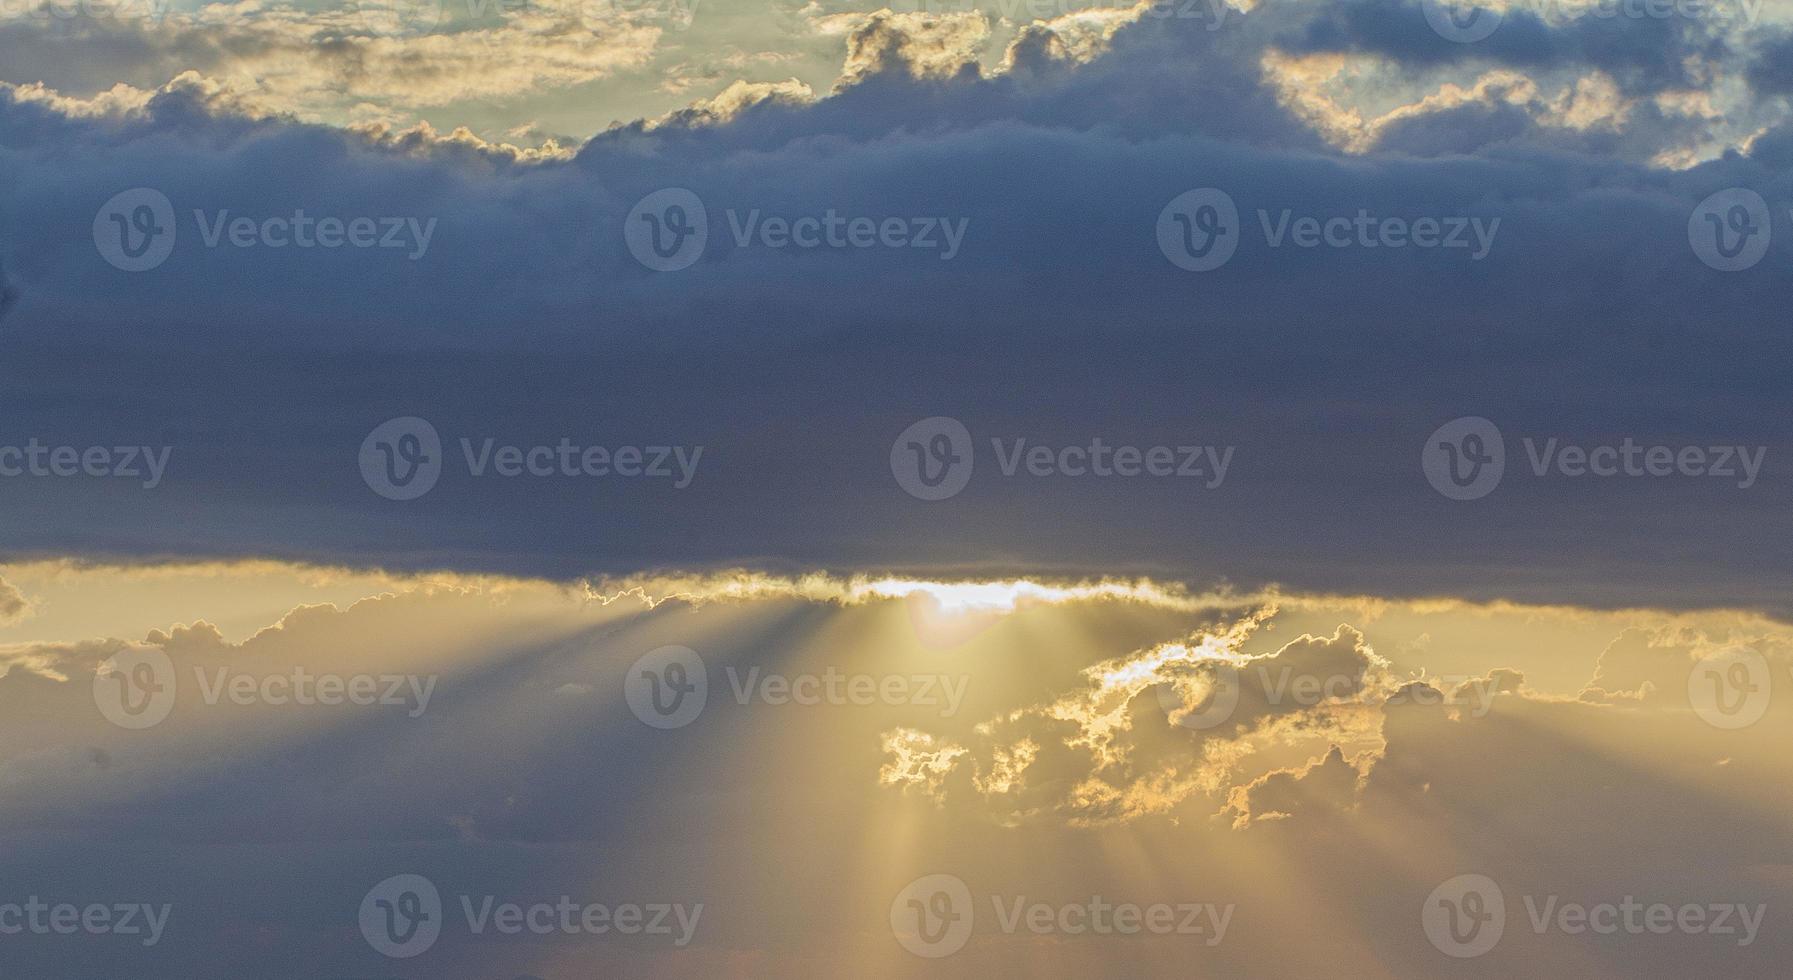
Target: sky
881, 491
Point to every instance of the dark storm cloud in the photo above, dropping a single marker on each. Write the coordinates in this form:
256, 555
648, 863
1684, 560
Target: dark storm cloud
527, 320
1771, 72
1644, 53
8, 294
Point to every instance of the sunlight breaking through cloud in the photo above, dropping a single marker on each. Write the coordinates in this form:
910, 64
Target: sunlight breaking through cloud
951, 596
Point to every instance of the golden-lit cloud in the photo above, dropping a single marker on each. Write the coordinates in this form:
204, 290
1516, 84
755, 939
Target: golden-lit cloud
13, 605
951, 596
316, 64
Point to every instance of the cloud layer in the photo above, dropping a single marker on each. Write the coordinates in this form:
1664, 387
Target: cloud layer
1071, 766
1588, 318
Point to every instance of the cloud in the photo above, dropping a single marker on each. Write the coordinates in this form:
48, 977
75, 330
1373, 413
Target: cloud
9, 294
557, 785
1771, 72
736, 99
528, 319
317, 64
920, 44
1645, 52
1150, 731
1003, 596
1330, 783
13, 605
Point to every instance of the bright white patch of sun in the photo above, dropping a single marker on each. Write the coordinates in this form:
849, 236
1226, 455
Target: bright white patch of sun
948, 597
